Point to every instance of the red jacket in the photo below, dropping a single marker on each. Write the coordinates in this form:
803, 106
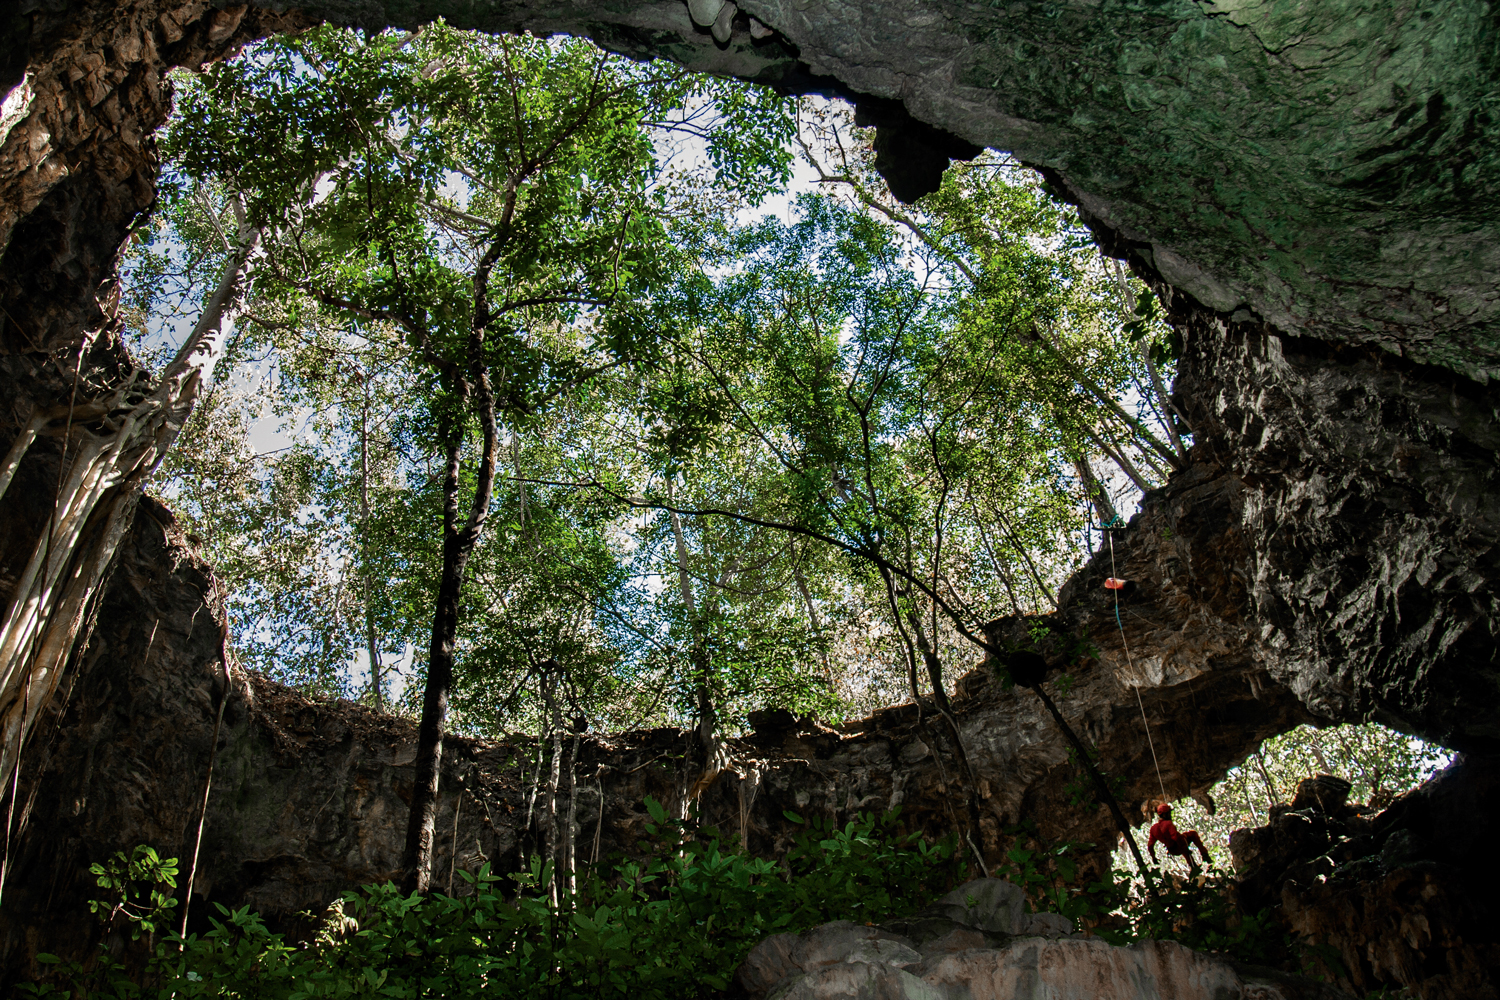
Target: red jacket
1164, 832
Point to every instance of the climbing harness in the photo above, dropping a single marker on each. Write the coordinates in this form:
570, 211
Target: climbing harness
1115, 584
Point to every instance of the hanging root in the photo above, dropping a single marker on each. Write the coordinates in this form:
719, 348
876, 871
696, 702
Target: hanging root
112, 441
112, 444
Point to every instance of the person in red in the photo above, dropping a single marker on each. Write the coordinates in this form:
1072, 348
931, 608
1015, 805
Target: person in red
1176, 842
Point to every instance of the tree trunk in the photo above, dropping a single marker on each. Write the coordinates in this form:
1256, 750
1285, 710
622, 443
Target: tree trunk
570, 849
704, 697
1094, 490
554, 778
364, 516
812, 617
458, 545
1101, 787
429, 759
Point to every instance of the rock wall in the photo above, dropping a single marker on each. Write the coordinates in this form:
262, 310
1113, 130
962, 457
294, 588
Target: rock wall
310, 799
1399, 898
1337, 527
78, 164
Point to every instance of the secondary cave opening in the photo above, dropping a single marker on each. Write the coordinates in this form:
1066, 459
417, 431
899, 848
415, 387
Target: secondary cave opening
1379, 765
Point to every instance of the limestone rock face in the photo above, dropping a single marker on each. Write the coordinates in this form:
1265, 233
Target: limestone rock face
85, 89
1396, 894
992, 950
1337, 528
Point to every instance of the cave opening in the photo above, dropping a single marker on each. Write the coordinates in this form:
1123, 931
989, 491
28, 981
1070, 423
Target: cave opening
1327, 535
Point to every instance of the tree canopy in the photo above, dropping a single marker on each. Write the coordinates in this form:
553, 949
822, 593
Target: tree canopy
532, 417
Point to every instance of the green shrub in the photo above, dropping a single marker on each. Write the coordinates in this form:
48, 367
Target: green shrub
1199, 912
673, 926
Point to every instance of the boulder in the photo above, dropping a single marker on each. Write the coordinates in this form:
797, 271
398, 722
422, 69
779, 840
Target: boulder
1325, 793
993, 950
987, 904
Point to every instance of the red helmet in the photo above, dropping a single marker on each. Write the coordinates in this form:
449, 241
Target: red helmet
1163, 810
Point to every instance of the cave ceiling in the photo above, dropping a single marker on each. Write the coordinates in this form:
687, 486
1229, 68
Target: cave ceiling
1329, 166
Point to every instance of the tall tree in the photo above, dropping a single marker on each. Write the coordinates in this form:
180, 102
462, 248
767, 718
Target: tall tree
489, 198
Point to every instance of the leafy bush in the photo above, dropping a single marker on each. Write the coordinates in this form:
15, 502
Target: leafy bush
673, 926
137, 890
1199, 912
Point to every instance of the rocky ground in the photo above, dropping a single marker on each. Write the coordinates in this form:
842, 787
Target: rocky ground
979, 943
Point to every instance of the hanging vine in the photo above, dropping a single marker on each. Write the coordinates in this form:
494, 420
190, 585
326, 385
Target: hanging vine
112, 437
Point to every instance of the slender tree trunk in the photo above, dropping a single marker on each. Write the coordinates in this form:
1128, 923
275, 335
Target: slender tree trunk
458, 805
968, 779
1249, 801
1100, 786
528, 833
551, 844
706, 716
570, 850
364, 515
812, 617
458, 545
1170, 413
1094, 490
1260, 762
429, 759
554, 778
1118, 457
1036, 574
906, 644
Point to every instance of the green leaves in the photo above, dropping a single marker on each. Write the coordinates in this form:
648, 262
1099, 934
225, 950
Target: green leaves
138, 890
901, 393
439, 206
670, 927
1150, 330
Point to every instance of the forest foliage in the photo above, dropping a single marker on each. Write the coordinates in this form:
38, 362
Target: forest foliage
673, 926
941, 387
712, 445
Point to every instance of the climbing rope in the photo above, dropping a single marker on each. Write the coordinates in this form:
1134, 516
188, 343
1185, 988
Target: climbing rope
1107, 529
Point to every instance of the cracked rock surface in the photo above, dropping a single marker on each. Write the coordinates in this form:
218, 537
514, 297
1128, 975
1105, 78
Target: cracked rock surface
1396, 895
1329, 166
